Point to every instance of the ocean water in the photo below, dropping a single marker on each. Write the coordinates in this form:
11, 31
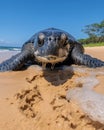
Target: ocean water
91, 102
5, 48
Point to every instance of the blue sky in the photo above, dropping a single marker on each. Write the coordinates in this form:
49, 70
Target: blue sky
20, 19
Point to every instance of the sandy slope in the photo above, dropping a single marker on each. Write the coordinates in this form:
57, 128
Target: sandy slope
36, 100
97, 52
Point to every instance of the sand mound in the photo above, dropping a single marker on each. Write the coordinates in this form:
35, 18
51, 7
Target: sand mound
44, 100
39, 101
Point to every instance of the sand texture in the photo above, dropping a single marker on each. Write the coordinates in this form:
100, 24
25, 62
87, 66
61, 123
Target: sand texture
36, 100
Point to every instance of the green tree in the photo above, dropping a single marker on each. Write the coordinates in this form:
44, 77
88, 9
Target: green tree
95, 32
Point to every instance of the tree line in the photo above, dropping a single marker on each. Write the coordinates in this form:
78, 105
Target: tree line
95, 33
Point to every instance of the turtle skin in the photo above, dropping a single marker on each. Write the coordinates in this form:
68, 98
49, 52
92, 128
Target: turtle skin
50, 47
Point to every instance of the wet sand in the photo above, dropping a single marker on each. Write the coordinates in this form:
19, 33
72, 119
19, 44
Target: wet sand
33, 99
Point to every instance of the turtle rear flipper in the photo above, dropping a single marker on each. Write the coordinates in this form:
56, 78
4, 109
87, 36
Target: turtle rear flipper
80, 58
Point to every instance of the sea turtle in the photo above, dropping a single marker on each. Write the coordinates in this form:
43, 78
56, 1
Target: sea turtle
51, 47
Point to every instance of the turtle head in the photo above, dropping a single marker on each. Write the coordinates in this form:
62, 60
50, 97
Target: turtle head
51, 46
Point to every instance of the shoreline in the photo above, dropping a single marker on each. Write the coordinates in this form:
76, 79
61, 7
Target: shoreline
4, 55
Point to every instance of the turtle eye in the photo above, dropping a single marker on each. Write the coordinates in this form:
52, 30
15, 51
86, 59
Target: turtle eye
41, 39
64, 39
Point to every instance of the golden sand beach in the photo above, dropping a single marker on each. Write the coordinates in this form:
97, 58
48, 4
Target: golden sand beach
36, 100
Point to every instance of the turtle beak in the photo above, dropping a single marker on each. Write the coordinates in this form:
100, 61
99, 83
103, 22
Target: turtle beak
51, 57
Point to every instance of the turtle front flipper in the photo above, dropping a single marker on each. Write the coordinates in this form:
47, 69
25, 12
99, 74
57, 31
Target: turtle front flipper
17, 61
80, 58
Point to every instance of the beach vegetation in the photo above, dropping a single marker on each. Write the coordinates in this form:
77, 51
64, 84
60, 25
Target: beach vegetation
95, 33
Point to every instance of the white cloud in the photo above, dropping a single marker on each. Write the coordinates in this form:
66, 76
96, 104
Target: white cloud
5, 43
8, 43
1, 41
